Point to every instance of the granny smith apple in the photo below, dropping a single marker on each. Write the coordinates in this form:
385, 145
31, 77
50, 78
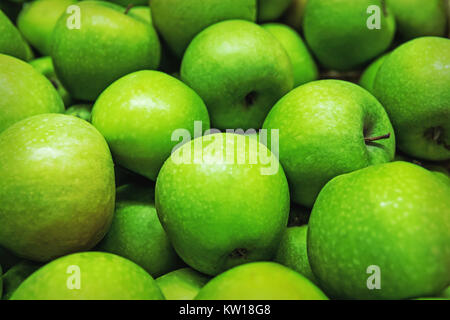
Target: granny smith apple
413, 84
223, 200
45, 66
56, 186
292, 251
294, 14
37, 20
142, 11
16, 275
367, 78
89, 276
138, 114
417, 18
179, 21
240, 70
82, 111
137, 234
304, 67
269, 10
327, 128
11, 41
381, 232
260, 281
24, 92
338, 32
181, 284
110, 42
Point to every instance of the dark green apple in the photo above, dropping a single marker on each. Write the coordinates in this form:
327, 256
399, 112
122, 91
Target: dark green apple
138, 114
181, 284
56, 186
100, 275
413, 84
367, 78
82, 111
240, 70
11, 41
179, 21
24, 92
15, 276
388, 222
270, 10
90, 58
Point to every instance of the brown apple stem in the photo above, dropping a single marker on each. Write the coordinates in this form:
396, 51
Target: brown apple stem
128, 8
371, 139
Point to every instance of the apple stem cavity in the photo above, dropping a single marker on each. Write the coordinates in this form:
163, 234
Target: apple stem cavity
250, 99
238, 253
128, 8
371, 139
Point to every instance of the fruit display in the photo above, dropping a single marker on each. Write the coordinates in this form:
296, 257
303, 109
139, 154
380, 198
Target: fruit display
193, 150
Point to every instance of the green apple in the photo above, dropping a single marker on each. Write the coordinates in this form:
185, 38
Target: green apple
11, 41
304, 67
413, 84
37, 20
367, 78
56, 186
142, 11
181, 284
221, 203
338, 34
446, 293
110, 43
240, 70
292, 251
388, 224
45, 66
418, 18
294, 14
138, 114
260, 281
137, 234
269, 10
24, 92
15, 276
327, 128
179, 21
89, 276
82, 111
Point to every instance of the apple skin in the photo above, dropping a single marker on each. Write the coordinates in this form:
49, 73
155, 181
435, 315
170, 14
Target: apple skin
25, 92
322, 126
270, 10
56, 187
15, 276
367, 78
238, 94
181, 284
45, 66
414, 88
337, 33
219, 214
82, 111
260, 281
304, 66
91, 58
179, 21
103, 276
137, 234
292, 251
395, 216
11, 41
138, 113
417, 18
37, 20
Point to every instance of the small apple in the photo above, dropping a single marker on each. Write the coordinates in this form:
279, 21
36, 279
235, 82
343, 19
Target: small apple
56, 186
367, 78
108, 43
137, 234
89, 276
181, 284
270, 10
260, 281
82, 111
327, 128
238, 94
381, 232
179, 21
138, 114
220, 202
11, 41
24, 92
414, 88
15, 276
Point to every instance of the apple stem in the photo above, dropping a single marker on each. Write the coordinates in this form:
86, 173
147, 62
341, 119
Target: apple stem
371, 139
128, 8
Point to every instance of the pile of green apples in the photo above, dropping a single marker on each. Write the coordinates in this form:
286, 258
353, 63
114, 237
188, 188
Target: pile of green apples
224, 149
